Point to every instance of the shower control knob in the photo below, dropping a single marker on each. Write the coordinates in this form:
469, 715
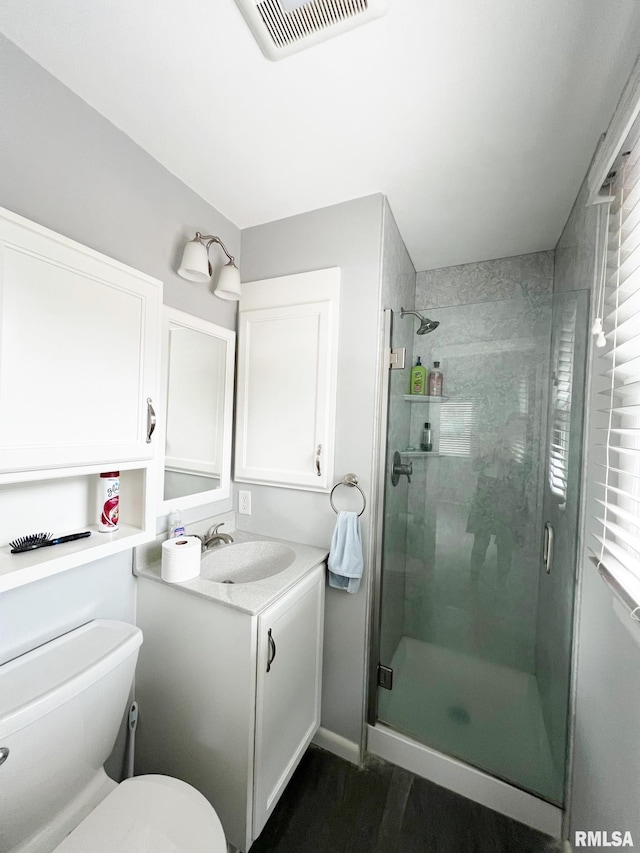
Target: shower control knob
399, 469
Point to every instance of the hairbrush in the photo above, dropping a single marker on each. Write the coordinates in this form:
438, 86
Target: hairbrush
41, 540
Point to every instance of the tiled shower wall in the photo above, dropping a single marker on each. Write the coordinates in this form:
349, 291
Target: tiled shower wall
493, 345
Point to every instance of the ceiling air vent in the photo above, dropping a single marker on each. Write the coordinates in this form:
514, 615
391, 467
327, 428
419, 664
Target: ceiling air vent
283, 27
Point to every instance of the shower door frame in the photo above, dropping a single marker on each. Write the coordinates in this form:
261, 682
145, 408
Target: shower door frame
381, 739
377, 532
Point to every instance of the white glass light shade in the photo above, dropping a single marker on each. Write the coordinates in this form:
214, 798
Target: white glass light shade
228, 286
195, 262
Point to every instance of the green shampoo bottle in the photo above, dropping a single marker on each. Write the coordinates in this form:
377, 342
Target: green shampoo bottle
418, 378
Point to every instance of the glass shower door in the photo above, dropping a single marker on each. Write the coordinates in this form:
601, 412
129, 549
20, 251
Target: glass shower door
461, 627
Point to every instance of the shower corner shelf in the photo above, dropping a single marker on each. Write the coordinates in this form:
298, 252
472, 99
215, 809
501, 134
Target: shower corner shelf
423, 398
416, 453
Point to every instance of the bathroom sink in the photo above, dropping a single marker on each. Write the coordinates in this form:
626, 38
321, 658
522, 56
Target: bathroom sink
245, 562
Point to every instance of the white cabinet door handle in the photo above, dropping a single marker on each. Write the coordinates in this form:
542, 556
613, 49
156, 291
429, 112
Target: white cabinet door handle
272, 650
151, 420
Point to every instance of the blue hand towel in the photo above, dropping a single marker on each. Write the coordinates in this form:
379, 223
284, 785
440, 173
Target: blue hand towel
345, 557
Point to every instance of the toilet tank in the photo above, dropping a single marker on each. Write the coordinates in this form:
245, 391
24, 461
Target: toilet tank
61, 706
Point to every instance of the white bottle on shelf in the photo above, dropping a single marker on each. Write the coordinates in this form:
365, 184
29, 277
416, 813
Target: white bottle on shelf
176, 527
435, 380
109, 502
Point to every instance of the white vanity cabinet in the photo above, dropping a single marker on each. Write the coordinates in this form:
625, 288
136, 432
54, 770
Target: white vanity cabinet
287, 380
79, 352
229, 701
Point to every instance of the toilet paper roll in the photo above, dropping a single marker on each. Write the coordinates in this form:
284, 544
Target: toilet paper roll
180, 559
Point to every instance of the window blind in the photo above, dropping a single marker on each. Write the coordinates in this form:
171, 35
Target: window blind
562, 365
616, 419
457, 426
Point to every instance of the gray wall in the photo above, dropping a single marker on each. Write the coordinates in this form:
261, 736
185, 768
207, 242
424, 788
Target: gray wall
348, 236
65, 167
604, 781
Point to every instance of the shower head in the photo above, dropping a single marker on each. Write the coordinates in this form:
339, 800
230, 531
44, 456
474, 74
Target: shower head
426, 325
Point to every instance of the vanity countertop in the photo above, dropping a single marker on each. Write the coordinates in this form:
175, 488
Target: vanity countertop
250, 598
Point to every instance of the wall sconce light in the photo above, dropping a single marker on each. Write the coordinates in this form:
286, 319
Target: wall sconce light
195, 266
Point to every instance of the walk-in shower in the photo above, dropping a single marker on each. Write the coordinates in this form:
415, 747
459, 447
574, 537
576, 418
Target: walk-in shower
473, 638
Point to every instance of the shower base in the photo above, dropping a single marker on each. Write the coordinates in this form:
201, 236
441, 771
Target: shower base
487, 714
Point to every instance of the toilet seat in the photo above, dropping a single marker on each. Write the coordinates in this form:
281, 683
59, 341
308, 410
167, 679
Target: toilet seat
149, 814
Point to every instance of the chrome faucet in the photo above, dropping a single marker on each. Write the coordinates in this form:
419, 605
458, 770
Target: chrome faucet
212, 537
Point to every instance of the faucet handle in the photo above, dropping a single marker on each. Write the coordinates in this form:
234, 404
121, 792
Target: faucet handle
213, 530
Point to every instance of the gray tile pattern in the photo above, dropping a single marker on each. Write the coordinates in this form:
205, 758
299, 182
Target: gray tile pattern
529, 276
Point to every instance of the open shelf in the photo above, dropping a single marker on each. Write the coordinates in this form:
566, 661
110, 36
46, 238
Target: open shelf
63, 502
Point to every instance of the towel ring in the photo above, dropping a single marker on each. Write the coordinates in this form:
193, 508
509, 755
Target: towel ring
348, 480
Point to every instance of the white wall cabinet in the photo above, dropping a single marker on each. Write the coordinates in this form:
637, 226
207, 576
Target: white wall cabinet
237, 696
79, 352
287, 379
79, 366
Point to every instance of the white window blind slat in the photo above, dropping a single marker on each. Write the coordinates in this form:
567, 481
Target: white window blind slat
624, 495
623, 353
615, 512
625, 576
632, 221
560, 422
614, 470
631, 389
457, 426
613, 553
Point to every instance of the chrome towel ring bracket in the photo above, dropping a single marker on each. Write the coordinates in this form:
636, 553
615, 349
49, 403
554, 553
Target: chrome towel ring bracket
348, 480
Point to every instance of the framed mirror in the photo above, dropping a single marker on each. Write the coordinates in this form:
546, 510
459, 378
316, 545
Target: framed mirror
198, 368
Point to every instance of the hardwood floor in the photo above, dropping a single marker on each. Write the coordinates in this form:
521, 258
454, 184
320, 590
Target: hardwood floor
331, 806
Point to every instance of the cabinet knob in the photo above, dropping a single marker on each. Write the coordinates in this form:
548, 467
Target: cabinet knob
151, 420
272, 650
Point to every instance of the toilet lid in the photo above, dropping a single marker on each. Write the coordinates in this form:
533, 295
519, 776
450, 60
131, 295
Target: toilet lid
149, 814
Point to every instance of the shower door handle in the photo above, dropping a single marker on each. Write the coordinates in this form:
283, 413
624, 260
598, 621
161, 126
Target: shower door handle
547, 550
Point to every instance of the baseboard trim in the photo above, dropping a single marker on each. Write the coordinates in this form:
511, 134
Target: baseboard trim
338, 745
464, 780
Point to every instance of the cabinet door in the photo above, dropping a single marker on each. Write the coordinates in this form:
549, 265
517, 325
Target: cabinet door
287, 372
78, 352
288, 689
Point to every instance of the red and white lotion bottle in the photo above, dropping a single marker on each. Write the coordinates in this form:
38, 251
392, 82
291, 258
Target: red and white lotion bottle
109, 501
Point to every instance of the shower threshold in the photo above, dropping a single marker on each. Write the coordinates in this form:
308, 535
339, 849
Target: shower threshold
489, 715
463, 779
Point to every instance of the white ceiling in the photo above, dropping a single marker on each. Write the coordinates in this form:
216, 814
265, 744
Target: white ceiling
477, 118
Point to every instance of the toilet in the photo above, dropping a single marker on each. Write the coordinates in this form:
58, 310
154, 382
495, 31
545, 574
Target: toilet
61, 707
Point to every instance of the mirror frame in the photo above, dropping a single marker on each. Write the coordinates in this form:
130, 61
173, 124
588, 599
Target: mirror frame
172, 318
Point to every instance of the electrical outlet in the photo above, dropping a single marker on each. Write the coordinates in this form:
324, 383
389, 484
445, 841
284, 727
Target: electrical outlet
244, 503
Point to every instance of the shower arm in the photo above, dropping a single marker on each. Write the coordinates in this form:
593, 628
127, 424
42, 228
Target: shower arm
415, 313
